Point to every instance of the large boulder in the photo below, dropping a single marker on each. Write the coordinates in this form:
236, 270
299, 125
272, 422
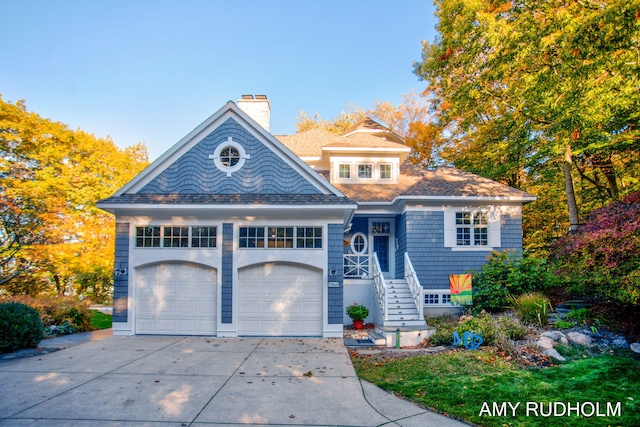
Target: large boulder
579, 338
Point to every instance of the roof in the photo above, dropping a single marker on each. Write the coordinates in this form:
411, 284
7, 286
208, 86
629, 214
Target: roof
442, 183
226, 199
312, 142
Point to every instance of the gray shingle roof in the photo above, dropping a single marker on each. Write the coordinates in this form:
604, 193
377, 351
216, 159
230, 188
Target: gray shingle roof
227, 199
442, 182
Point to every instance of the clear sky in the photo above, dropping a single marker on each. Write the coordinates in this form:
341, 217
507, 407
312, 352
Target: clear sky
152, 70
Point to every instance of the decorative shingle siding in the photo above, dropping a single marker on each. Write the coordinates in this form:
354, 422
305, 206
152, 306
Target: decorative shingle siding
401, 238
121, 282
227, 273
335, 237
263, 173
434, 263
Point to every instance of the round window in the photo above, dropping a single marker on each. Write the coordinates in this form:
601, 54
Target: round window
359, 243
229, 156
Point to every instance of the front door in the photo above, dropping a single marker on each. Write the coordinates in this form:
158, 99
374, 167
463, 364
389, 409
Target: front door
382, 238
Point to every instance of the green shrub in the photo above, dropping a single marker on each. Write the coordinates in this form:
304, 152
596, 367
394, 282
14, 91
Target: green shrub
579, 315
532, 308
58, 310
493, 329
506, 274
20, 327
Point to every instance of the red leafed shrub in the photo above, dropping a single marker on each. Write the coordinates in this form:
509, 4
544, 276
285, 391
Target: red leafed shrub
603, 256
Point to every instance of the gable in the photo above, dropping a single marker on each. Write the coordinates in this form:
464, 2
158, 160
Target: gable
263, 172
193, 165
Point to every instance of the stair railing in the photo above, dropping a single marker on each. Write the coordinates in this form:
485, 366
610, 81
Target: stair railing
414, 285
380, 287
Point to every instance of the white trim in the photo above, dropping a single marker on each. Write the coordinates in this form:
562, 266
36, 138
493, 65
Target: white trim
364, 239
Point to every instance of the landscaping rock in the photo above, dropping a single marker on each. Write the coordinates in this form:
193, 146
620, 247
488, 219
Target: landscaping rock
554, 335
620, 342
579, 338
546, 343
635, 347
554, 353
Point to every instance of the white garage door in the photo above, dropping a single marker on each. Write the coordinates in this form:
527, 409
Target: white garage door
280, 300
176, 299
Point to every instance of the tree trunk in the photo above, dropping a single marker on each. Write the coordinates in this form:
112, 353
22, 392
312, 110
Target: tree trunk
574, 220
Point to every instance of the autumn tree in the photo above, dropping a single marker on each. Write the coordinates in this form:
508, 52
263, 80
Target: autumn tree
526, 91
51, 178
410, 119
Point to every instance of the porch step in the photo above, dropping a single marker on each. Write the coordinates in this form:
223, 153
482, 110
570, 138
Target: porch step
402, 310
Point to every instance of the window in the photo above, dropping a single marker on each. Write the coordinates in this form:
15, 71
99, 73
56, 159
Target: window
365, 171
229, 156
251, 237
344, 171
176, 237
203, 237
148, 237
472, 229
309, 237
380, 228
280, 237
385, 171
432, 298
359, 244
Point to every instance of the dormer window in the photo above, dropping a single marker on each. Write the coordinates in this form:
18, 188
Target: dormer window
365, 171
385, 171
344, 171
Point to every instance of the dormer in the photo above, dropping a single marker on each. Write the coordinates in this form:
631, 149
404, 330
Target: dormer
367, 154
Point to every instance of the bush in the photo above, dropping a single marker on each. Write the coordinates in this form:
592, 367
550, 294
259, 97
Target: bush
58, 310
493, 329
506, 274
532, 308
20, 327
602, 258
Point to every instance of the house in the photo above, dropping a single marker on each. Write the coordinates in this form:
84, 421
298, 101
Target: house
236, 232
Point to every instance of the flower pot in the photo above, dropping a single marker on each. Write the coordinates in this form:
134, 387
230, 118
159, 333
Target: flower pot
358, 324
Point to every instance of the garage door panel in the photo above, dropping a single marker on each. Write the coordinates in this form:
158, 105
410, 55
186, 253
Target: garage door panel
176, 298
280, 299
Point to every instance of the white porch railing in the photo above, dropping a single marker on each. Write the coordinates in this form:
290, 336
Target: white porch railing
356, 266
414, 284
381, 287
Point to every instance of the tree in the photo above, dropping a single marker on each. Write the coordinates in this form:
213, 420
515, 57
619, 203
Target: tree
410, 120
522, 88
603, 256
51, 178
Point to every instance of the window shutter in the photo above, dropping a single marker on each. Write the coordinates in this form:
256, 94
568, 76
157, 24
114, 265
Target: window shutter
495, 241
449, 229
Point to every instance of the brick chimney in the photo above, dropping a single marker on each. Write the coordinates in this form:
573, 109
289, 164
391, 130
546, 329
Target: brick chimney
257, 107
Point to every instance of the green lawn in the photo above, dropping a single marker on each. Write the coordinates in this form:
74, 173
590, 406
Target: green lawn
465, 384
100, 320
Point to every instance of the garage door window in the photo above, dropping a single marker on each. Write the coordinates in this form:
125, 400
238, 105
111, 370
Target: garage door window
175, 237
280, 237
148, 237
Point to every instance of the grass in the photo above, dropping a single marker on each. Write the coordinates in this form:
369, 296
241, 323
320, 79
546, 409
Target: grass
459, 382
99, 320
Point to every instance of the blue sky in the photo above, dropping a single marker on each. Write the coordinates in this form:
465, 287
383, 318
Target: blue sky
152, 70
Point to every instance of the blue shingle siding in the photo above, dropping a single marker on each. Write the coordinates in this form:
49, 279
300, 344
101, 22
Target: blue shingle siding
335, 237
227, 273
263, 173
434, 262
401, 239
121, 282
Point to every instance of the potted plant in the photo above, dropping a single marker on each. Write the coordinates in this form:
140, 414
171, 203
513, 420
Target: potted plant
357, 313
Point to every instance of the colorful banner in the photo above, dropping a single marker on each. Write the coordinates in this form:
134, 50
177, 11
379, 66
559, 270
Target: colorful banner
461, 289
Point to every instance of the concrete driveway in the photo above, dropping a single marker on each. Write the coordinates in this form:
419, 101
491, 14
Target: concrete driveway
194, 381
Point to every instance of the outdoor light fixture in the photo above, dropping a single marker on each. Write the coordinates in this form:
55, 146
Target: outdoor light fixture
120, 271
333, 271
